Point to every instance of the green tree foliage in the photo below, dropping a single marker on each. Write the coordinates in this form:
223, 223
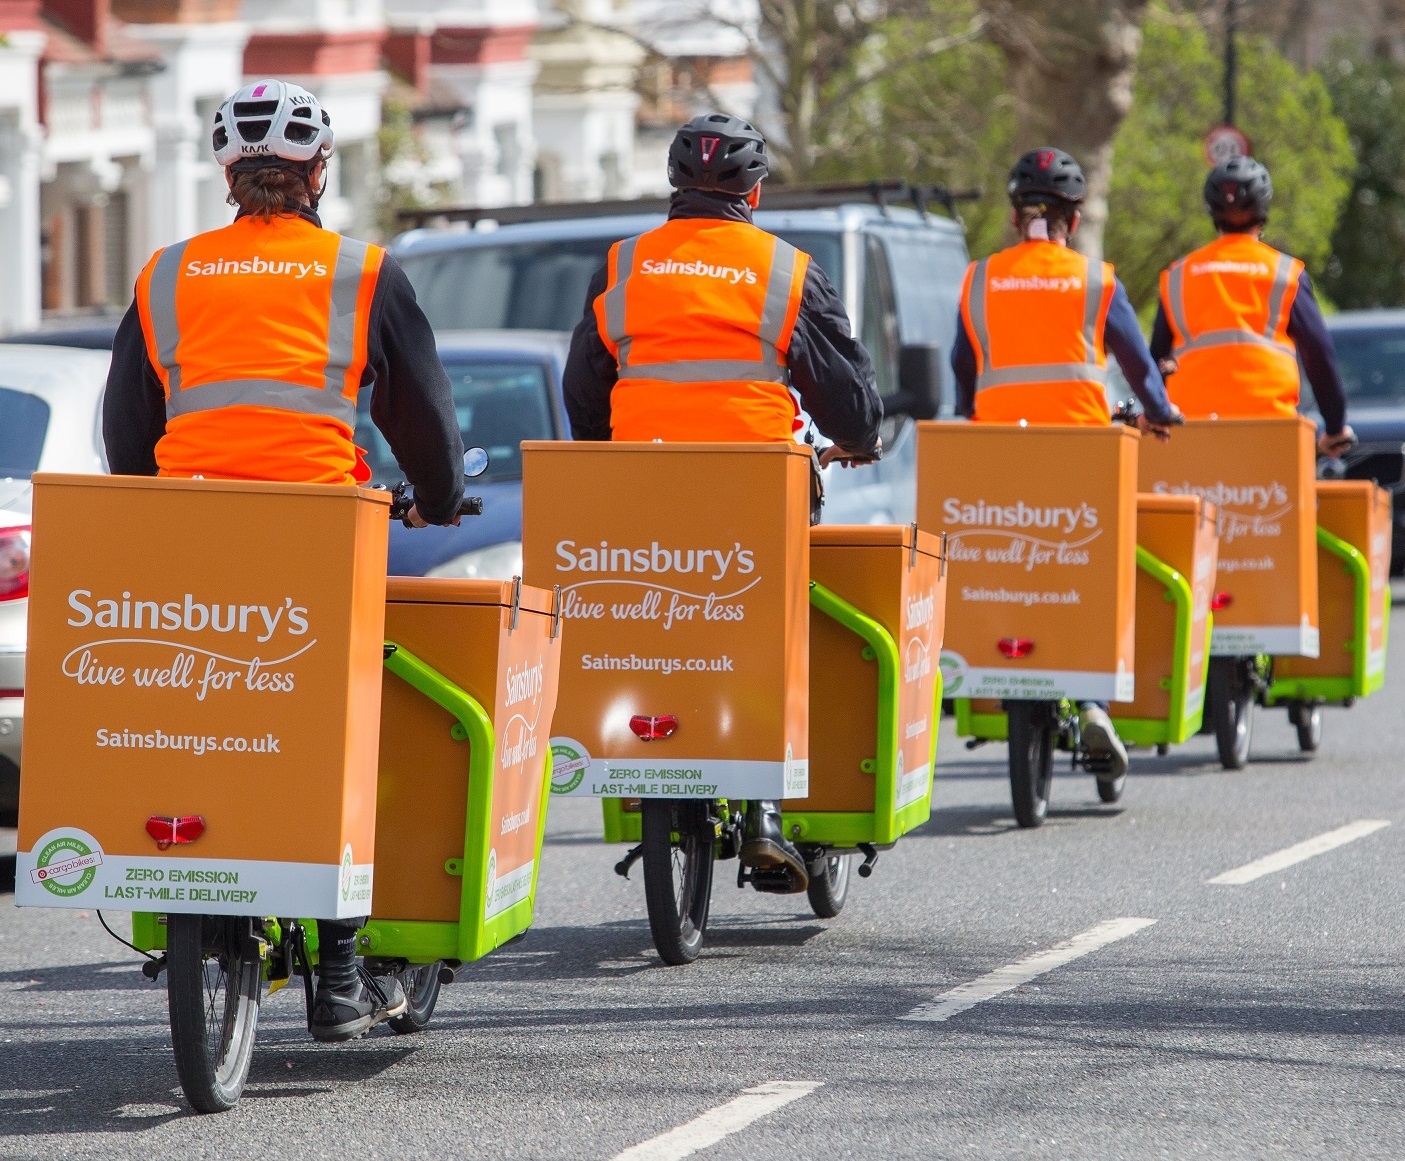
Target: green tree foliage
1367, 265
1156, 210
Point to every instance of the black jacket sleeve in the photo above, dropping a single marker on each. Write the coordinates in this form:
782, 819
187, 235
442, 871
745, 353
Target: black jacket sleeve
1162, 340
134, 404
963, 367
412, 402
1308, 330
591, 371
831, 370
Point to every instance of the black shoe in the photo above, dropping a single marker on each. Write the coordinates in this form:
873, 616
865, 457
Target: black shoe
765, 848
345, 1014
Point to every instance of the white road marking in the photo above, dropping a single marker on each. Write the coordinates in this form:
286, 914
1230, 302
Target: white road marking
739, 1112
1308, 849
1011, 976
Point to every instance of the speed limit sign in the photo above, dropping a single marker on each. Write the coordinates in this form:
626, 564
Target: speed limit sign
1224, 142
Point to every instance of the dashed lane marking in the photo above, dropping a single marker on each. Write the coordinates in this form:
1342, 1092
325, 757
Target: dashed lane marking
1298, 852
739, 1112
1011, 976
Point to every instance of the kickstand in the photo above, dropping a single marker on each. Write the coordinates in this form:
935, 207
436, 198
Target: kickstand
623, 866
299, 937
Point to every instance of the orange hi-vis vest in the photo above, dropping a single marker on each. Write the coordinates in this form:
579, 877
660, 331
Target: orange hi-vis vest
1228, 304
698, 314
258, 333
1035, 314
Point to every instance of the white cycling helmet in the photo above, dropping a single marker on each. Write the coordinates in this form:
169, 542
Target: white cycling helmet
271, 119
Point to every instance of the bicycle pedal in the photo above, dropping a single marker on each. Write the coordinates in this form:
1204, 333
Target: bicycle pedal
772, 881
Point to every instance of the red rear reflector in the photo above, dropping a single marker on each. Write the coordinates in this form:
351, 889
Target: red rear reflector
1221, 601
1015, 647
11, 693
166, 830
652, 729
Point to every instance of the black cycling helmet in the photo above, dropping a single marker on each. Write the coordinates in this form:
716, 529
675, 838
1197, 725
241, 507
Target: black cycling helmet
1042, 174
719, 153
1237, 193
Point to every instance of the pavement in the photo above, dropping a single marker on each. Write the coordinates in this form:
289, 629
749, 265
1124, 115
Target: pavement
1080, 991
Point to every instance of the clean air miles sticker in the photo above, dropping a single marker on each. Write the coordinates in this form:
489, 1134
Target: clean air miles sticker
569, 762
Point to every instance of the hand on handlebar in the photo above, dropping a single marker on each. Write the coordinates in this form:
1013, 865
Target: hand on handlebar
850, 459
1334, 445
1162, 431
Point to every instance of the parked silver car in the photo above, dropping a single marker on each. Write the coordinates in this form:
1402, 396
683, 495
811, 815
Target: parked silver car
50, 421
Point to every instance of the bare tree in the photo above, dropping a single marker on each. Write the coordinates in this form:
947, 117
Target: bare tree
1072, 63
814, 58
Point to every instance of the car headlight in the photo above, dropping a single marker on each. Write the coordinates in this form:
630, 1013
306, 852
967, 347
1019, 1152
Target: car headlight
496, 562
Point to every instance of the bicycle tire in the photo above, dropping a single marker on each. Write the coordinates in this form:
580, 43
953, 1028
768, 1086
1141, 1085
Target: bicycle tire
421, 985
1031, 740
1307, 720
214, 981
1110, 790
830, 876
678, 857
1231, 701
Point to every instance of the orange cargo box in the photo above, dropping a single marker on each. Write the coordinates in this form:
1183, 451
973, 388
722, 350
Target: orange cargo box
1041, 550
684, 571
1259, 473
893, 574
503, 654
1357, 514
202, 697
1179, 531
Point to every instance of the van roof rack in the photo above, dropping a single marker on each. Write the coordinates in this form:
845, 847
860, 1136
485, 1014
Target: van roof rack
779, 197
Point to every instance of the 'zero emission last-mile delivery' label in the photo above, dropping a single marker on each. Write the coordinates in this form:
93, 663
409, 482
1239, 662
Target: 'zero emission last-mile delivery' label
68, 868
576, 774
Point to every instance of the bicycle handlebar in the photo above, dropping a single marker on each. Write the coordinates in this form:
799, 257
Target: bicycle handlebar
402, 499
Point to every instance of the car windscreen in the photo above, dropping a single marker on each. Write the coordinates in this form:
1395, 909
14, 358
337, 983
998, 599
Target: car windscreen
538, 285
24, 421
499, 404
1372, 364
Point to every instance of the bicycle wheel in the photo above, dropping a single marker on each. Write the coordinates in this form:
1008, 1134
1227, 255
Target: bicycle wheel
421, 984
214, 979
1110, 790
1230, 695
678, 853
1307, 720
1031, 739
829, 884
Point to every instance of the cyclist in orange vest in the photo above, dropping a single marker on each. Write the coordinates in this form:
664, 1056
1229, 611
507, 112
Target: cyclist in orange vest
709, 328
1037, 321
241, 358
1237, 315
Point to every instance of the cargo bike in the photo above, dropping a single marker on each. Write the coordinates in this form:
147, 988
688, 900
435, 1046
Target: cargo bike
1068, 586
720, 651
1301, 597
211, 746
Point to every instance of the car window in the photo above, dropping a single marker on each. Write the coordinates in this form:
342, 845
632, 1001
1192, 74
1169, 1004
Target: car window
825, 249
498, 406
928, 268
540, 285
879, 330
512, 286
24, 420
1372, 364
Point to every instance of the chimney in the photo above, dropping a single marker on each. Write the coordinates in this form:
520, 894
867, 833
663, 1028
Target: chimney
19, 15
86, 19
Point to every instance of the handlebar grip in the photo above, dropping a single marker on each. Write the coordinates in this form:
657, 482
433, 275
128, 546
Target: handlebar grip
471, 506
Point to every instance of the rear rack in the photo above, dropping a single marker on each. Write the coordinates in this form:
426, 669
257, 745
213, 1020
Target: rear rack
814, 197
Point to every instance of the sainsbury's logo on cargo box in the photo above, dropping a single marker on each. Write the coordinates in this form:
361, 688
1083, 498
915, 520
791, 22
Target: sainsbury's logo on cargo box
134, 643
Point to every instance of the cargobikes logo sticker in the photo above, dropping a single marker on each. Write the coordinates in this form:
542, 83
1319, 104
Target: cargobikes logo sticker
344, 879
954, 670
569, 762
67, 863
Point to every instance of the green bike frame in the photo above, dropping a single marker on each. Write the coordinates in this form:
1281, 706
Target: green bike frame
1360, 683
423, 941
886, 823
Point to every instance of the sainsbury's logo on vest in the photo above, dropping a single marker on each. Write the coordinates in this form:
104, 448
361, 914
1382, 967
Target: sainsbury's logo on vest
1224, 266
255, 265
1038, 282
699, 270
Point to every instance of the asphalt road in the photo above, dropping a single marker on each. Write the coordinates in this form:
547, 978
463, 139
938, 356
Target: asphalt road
1257, 1020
